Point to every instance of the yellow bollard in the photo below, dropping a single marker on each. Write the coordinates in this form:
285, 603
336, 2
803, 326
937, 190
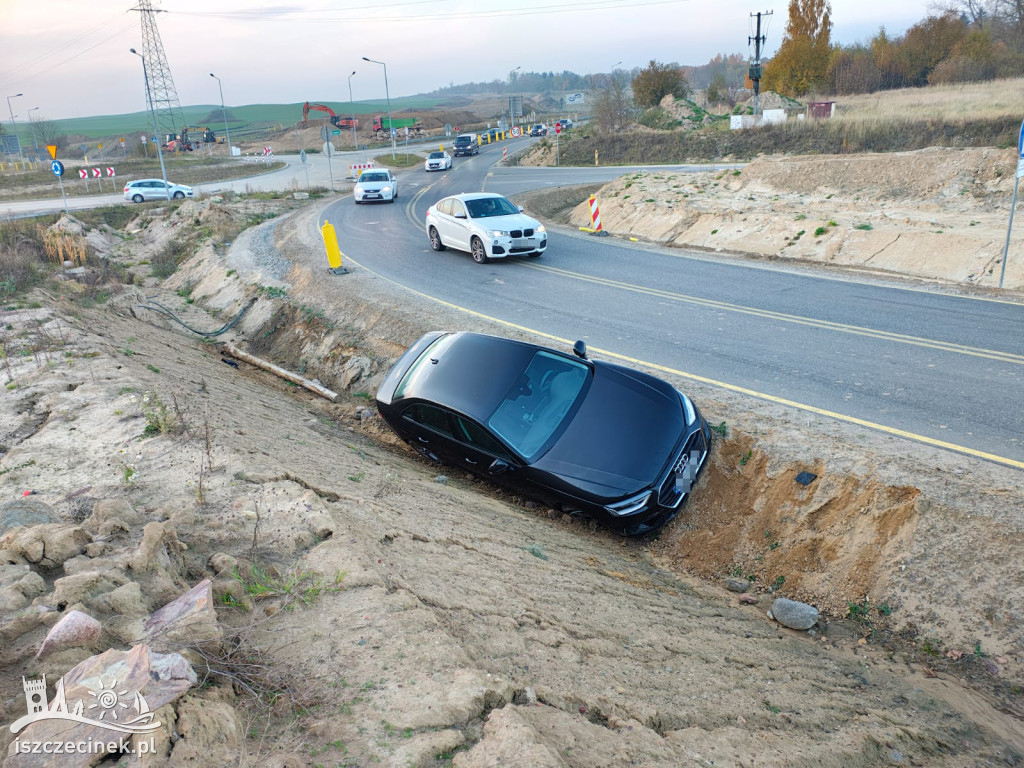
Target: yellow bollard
333, 250
441, 146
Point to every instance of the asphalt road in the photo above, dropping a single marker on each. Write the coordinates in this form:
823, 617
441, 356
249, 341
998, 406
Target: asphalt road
928, 365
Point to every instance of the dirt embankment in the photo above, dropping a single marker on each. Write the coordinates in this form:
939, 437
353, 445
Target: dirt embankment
451, 626
933, 214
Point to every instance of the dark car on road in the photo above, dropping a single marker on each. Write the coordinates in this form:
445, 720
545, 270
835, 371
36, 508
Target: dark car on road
621, 446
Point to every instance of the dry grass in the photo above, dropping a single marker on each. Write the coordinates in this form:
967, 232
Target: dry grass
62, 248
955, 102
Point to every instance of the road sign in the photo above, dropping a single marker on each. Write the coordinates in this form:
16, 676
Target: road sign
558, 127
516, 132
335, 132
143, 139
110, 172
57, 167
95, 173
324, 133
83, 173
52, 149
302, 156
99, 147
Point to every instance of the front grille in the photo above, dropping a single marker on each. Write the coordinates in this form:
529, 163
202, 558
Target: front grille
669, 495
527, 233
516, 233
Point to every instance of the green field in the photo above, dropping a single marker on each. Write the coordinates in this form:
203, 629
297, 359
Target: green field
243, 119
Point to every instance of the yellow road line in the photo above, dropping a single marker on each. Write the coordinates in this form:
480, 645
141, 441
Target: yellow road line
945, 346
1003, 460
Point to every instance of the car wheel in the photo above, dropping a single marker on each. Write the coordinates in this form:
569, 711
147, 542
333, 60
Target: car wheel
478, 251
179, 195
435, 240
137, 198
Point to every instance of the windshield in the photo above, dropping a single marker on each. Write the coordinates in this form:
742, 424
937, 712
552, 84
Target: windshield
370, 176
539, 403
436, 155
490, 206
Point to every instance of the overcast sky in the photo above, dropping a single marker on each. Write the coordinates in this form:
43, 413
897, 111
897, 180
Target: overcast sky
70, 57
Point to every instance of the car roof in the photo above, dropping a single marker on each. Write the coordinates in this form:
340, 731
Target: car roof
475, 195
473, 372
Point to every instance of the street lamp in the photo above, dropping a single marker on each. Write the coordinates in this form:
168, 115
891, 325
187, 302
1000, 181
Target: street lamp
156, 130
223, 114
352, 109
35, 144
13, 127
387, 93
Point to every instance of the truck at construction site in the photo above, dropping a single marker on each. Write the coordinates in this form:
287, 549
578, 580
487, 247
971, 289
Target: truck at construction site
382, 124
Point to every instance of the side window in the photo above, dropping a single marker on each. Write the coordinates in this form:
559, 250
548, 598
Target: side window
470, 432
431, 417
445, 206
458, 207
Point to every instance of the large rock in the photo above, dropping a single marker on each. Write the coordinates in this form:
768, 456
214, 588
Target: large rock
209, 733
114, 511
75, 630
159, 679
793, 614
47, 545
188, 620
25, 511
19, 584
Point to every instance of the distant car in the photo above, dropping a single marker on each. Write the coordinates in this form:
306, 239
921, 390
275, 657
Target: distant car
141, 190
486, 225
565, 123
438, 161
492, 134
467, 144
582, 435
375, 184
539, 130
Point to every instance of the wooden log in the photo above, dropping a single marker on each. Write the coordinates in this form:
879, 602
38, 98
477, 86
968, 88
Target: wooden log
230, 349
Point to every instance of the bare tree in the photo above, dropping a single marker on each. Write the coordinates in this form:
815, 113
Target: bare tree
614, 107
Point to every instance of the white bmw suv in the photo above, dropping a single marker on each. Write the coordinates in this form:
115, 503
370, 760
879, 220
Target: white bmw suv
486, 225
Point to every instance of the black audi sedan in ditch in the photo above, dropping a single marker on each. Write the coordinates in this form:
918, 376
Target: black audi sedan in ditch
619, 445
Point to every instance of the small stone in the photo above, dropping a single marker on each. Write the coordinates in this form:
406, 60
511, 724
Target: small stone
748, 599
737, 585
441, 480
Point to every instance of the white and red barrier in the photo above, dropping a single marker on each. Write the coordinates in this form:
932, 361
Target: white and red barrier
357, 168
595, 214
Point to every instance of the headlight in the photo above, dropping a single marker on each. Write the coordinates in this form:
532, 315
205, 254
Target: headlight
386, 190
498, 233
688, 408
630, 506
540, 228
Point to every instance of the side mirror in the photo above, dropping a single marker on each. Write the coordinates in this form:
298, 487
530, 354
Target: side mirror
498, 466
460, 215
580, 349
520, 208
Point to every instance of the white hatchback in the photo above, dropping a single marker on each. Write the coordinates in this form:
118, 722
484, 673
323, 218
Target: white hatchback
142, 190
438, 161
486, 225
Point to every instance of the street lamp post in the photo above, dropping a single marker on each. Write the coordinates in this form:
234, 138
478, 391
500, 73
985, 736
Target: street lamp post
223, 113
387, 93
35, 144
156, 130
13, 127
352, 110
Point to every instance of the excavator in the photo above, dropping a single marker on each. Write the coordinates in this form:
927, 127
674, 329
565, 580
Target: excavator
181, 142
336, 120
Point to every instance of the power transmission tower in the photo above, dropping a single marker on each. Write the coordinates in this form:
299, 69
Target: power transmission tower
755, 63
162, 94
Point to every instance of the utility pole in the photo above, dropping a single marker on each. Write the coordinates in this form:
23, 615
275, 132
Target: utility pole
755, 63
162, 95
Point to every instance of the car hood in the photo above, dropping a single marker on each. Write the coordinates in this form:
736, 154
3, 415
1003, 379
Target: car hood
373, 186
507, 222
621, 438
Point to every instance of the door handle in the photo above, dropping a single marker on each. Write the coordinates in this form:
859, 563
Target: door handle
423, 440
470, 461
